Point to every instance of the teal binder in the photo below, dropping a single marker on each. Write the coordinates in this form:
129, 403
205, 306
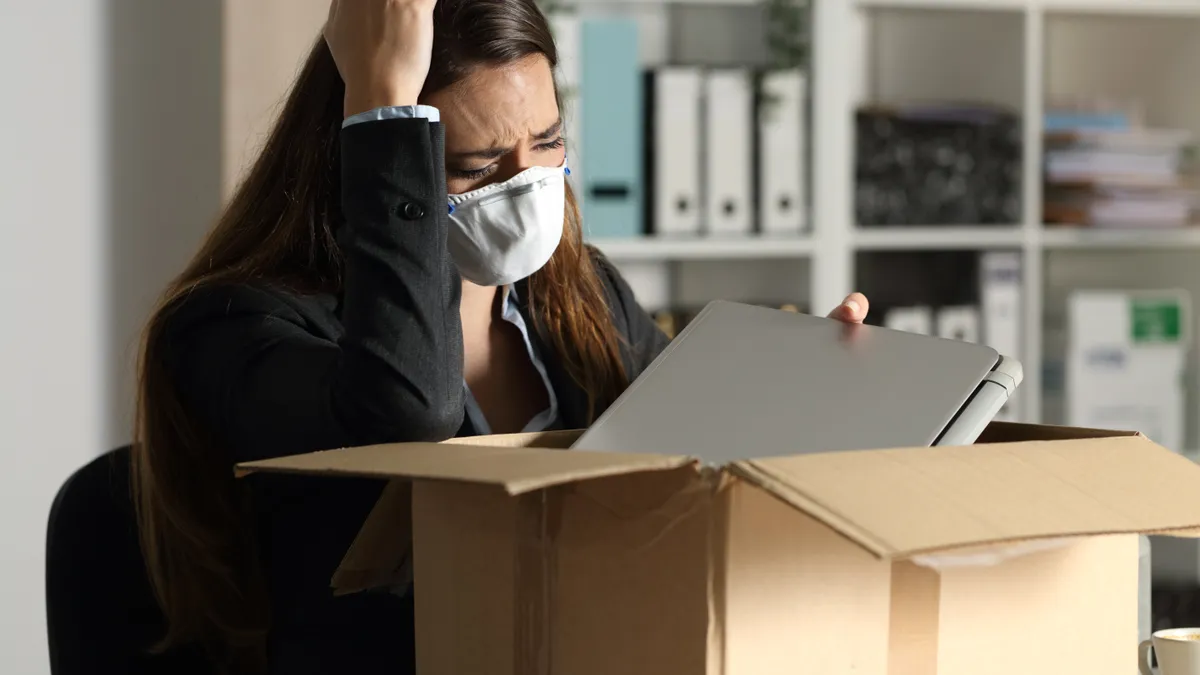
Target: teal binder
611, 111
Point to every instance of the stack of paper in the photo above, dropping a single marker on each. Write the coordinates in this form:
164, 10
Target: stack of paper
1106, 173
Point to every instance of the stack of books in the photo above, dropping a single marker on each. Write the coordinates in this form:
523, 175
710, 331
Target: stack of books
1105, 169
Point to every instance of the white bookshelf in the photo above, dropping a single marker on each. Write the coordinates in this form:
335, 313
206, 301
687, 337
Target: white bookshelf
1130, 7
1009, 51
703, 248
955, 238
943, 4
1030, 49
1083, 239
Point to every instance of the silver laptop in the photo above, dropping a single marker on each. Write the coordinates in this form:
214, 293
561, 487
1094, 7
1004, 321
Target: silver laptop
743, 381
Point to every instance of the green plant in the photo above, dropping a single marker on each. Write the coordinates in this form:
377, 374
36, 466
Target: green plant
787, 33
787, 23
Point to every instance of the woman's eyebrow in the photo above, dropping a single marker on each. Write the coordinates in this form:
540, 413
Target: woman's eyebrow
486, 153
550, 131
499, 151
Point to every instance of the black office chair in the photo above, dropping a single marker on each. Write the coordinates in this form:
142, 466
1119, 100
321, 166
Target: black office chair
101, 613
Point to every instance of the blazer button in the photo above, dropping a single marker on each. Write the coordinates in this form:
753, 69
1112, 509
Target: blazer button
412, 211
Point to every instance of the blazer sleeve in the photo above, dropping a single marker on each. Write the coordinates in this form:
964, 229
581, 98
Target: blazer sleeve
645, 339
264, 384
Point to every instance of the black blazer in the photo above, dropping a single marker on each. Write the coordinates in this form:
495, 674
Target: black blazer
268, 372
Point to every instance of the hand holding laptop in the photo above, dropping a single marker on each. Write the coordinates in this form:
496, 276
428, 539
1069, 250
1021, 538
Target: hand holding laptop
742, 381
852, 310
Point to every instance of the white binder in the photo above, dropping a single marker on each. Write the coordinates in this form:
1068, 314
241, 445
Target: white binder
728, 130
916, 319
1000, 309
674, 159
782, 153
1000, 301
959, 323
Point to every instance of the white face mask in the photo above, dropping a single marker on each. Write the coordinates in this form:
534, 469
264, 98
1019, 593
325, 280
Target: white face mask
504, 232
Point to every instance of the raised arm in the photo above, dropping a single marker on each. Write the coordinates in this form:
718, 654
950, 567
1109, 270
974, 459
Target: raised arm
253, 362
262, 376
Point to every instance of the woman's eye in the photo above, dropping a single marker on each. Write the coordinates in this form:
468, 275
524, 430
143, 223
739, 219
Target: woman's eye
473, 173
552, 145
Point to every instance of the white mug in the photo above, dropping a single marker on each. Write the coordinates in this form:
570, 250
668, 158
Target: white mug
1177, 649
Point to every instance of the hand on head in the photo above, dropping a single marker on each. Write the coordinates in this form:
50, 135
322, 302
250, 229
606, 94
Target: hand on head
382, 49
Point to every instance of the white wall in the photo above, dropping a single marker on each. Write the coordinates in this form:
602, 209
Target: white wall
51, 287
109, 172
162, 165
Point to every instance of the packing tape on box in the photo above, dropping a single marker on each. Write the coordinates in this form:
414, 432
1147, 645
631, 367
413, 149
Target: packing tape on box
915, 614
539, 519
536, 565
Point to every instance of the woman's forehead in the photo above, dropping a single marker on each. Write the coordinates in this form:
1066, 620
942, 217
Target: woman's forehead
499, 105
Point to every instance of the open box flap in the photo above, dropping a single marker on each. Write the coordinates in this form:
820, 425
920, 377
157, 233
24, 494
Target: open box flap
901, 503
1015, 432
516, 469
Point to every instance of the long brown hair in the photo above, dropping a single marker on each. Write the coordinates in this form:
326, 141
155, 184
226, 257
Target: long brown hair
279, 227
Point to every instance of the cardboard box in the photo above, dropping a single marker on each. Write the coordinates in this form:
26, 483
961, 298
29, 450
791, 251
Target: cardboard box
1014, 555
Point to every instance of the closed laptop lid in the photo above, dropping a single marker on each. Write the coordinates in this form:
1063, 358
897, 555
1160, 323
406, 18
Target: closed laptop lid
742, 382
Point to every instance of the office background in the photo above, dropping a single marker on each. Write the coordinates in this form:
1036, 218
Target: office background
125, 121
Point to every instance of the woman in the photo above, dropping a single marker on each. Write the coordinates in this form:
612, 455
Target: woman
402, 263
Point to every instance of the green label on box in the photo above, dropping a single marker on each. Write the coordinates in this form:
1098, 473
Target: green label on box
1156, 320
